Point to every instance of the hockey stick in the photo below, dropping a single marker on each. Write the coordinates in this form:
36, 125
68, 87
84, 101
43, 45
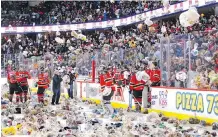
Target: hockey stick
136, 101
130, 100
103, 105
130, 97
29, 91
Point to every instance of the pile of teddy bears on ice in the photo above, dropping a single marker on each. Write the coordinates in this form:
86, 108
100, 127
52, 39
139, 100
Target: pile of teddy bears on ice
81, 119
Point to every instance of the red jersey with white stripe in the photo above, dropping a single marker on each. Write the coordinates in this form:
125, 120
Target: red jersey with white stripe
108, 79
116, 76
102, 82
135, 84
155, 75
43, 80
22, 77
12, 77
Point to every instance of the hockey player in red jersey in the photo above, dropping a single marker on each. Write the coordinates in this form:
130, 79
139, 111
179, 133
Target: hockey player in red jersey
108, 91
136, 87
139, 80
147, 69
146, 94
101, 79
22, 76
119, 80
155, 75
12, 84
111, 71
43, 83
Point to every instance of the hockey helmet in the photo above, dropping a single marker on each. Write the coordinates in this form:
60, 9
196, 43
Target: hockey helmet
155, 63
105, 69
13, 67
145, 62
42, 68
109, 66
125, 68
137, 68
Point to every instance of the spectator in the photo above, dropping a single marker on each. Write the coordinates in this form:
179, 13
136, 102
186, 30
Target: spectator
21, 14
56, 87
72, 76
127, 43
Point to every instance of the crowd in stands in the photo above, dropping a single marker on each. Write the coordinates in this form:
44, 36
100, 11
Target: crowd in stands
144, 43
16, 13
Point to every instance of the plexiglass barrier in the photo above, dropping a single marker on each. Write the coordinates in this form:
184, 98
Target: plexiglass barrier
189, 60
32, 65
186, 60
84, 64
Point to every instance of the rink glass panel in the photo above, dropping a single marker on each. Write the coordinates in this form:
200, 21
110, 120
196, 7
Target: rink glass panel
84, 64
115, 56
194, 52
32, 64
176, 51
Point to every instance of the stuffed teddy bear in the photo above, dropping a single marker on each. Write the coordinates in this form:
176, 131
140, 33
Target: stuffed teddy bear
215, 58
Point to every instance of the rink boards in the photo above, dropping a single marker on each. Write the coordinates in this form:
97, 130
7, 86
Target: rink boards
173, 102
181, 103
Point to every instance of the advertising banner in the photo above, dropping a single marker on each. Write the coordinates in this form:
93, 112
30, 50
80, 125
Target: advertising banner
190, 102
117, 22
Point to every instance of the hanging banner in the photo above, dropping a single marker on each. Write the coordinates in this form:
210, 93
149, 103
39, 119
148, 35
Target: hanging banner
117, 22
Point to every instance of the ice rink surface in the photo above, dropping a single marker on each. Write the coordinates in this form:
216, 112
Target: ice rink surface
79, 118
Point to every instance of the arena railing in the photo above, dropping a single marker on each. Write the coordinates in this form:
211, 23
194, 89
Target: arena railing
173, 9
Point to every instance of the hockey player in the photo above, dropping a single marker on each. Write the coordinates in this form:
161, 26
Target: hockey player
101, 79
119, 79
146, 94
147, 69
12, 84
136, 87
155, 75
43, 83
108, 91
22, 77
138, 80
126, 76
111, 71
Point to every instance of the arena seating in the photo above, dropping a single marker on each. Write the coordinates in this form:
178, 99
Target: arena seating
20, 14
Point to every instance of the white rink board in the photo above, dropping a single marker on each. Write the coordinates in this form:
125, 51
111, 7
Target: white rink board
191, 102
185, 101
92, 90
